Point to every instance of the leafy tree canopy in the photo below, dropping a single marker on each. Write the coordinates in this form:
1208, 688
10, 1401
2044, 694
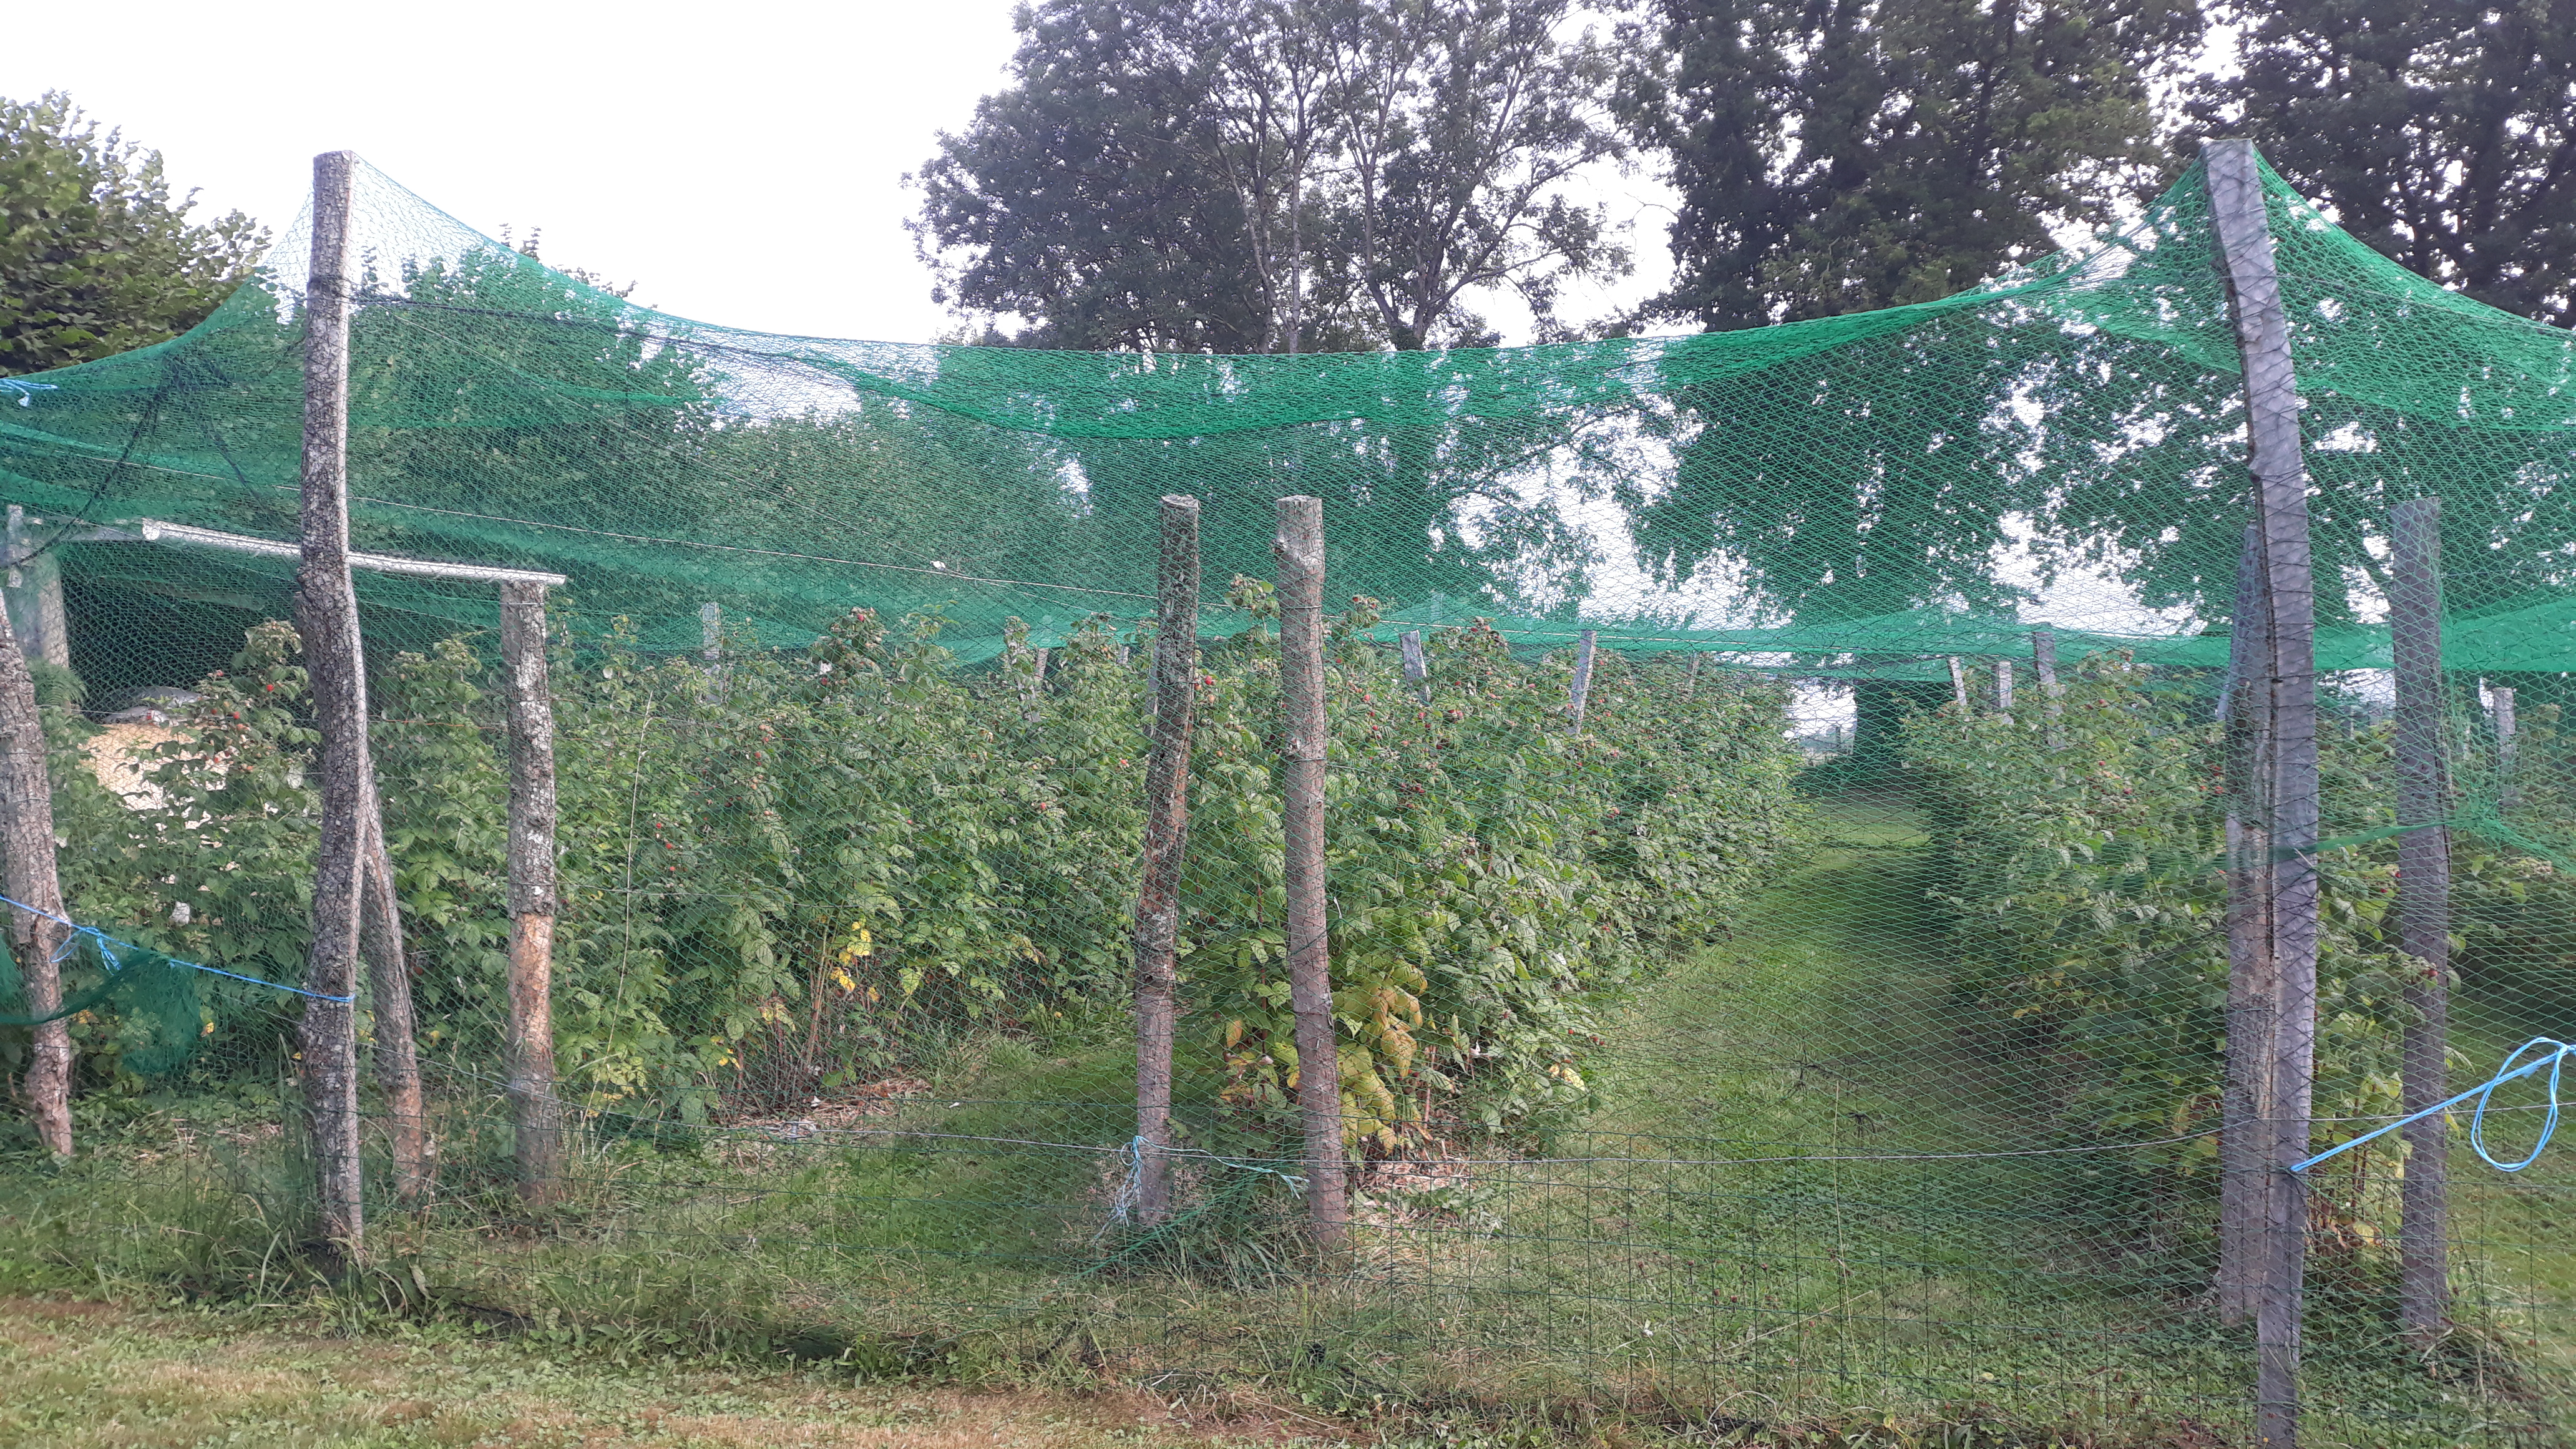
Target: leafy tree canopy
2442, 133
96, 256
1845, 156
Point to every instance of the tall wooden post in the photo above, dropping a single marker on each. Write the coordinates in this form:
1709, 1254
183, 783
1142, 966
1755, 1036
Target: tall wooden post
1958, 684
1580, 691
2423, 910
528, 1045
1167, 830
380, 942
1417, 670
2273, 457
2043, 667
2245, 1103
1690, 680
327, 609
2508, 794
27, 840
35, 596
1299, 549
2004, 685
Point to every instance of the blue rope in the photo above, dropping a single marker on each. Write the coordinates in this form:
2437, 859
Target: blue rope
107, 945
26, 391
2555, 1057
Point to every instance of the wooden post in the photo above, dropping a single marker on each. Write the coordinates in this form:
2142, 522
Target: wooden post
1167, 829
27, 840
327, 610
1958, 684
35, 596
2004, 686
711, 631
1690, 681
380, 942
2043, 667
2245, 1102
1299, 549
528, 1044
2508, 794
1417, 671
1581, 690
2423, 911
2238, 215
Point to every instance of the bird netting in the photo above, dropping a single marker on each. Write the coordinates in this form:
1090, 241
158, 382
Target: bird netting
1781, 810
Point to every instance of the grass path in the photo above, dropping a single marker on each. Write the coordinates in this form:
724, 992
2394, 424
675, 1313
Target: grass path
77, 1375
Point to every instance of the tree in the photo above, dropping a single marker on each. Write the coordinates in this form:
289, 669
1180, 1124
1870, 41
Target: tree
2441, 133
96, 257
1273, 175
1858, 154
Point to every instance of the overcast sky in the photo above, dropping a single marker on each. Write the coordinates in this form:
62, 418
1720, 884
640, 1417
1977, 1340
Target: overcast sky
741, 161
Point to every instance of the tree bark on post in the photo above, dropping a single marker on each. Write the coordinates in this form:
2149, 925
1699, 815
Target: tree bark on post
1690, 679
1958, 684
2423, 911
2245, 1104
528, 1045
2239, 216
35, 596
380, 941
2043, 667
1577, 694
1417, 671
1299, 549
2507, 796
27, 818
327, 617
1167, 830
2003, 686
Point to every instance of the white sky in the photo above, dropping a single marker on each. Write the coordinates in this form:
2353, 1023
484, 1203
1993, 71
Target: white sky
741, 161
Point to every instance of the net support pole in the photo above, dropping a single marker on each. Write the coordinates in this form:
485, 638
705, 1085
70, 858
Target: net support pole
2043, 667
528, 1045
327, 617
1958, 684
1167, 829
380, 943
1417, 670
2423, 910
2507, 795
2273, 457
2003, 686
35, 596
2245, 1104
1690, 680
1579, 692
27, 840
1299, 549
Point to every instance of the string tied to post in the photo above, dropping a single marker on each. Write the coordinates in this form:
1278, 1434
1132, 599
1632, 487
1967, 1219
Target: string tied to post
116, 953
2552, 1059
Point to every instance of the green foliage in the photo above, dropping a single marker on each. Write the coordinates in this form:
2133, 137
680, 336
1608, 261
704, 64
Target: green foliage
2087, 893
96, 257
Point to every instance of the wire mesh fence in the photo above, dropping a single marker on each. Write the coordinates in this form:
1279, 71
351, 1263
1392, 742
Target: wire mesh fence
1818, 930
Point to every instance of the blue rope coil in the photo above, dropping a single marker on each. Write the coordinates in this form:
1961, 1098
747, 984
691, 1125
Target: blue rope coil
107, 947
2553, 1058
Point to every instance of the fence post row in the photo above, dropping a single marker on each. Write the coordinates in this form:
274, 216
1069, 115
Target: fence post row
1167, 828
2238, 215
327, 610
528, 1043
1299, 549
2423, 909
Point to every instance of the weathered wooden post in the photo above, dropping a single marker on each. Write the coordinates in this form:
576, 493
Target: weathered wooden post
1299, 549
327, 617
2043, 667
528, 1045
1417, 670
2273, 458
1580, 690
1690, 680
2245, 1104
2003, 686
35, 596
1167, 830
711, 632
2508, 794
27, 838
1958, 684
380, 942
2423, 911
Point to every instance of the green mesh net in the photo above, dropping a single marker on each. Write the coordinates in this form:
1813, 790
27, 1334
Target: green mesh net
1822, 1031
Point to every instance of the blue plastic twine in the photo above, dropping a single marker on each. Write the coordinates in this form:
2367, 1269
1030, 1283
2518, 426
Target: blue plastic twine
2554, 1059
107, 945
26, 391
